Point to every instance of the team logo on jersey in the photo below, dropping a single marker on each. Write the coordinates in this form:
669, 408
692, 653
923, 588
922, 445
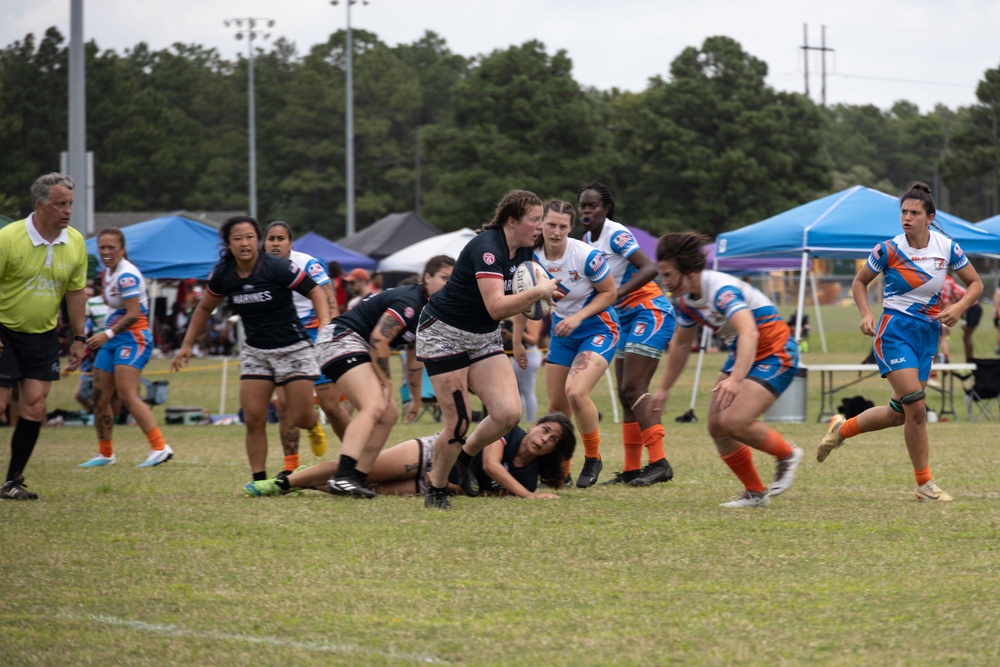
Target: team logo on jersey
639, 329
408, 312
598, 340
597, 263
489, 259
315, 270
125, 353
248, 286
127, 281
622, 240
938, 263
958, 251
293, 267
574, 276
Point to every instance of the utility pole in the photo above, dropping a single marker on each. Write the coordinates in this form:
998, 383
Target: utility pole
251, 32
822, 49
350, 119
76, 156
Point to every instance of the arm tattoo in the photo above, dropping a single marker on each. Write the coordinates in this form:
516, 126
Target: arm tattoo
388, 328
128, 322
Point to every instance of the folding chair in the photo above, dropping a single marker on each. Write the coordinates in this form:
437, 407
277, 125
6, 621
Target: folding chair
984, 392
428, 401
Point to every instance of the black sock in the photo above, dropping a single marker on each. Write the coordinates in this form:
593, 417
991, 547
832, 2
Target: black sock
362, 477
283, 483
260, 476
464, 458
347, 466
443, 491
22, 444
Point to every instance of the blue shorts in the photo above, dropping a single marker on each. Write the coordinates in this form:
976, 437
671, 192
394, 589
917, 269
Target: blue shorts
322, 379
598, 333
905, 341
775, 371
646, 329
129, 348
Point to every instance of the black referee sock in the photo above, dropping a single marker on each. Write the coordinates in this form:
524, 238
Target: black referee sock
22, 444
464, 458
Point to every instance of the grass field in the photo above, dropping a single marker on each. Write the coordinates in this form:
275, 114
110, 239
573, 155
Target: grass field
172, 565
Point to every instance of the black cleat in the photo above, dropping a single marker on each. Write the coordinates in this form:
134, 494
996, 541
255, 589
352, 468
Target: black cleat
625, 477
654, 473
14, 490
590, 472
436, 499
467, 478
349, 486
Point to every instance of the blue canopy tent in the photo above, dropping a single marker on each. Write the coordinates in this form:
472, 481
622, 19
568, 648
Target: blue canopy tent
328, 251
846, 224
991, 225
170, 248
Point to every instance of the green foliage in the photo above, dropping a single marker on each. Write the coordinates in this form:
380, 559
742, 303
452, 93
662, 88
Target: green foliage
708, 146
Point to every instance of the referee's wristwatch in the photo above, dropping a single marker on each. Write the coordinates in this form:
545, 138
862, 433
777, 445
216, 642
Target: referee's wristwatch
82, 339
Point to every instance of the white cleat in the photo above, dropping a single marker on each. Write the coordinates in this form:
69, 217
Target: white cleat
788, 467
930, 491
99, 461
750, 499
156, 457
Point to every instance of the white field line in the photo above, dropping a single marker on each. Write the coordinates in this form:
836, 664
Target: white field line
319, 647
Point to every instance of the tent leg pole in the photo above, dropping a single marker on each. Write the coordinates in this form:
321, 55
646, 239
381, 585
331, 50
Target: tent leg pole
819, 315
800, 304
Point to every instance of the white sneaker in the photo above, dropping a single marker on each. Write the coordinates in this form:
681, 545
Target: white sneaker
156, 457
99, 461
786, 471
832, 439
931, 491
750, 499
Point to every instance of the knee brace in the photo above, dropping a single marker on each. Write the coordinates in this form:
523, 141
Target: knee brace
462, 425
896, 405
913, 397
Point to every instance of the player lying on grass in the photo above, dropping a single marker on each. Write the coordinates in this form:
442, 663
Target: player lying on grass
512, 465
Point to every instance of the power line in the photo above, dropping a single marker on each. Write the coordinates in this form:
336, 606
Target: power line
891, 80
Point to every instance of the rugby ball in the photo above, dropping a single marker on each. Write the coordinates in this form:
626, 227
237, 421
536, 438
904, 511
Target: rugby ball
527, 276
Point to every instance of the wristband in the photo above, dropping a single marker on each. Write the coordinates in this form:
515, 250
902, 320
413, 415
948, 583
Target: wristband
110, 333
82, 339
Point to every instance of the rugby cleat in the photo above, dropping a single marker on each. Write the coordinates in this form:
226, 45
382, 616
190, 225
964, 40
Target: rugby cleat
832, 439
157, 456
317, 439
749, 499
99, 461
349, 486
785, 473
932, 492
654, 473
590, 472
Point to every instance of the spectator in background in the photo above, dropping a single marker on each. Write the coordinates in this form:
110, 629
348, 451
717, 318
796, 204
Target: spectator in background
376, 282
951, 293
339, 284
359, 283
96, 311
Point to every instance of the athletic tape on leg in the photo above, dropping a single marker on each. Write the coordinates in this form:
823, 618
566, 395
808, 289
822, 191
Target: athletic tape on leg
462, 425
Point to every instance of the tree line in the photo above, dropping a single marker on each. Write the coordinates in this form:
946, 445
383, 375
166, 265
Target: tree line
708, 146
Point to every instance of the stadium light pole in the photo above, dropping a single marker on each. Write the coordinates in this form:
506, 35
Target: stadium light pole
247, 27
349, 117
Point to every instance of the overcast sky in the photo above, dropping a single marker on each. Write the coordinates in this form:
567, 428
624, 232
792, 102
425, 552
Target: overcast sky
925, 51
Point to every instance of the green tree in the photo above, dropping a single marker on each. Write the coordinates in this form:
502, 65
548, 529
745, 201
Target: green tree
520, 121
975, 150
715, 148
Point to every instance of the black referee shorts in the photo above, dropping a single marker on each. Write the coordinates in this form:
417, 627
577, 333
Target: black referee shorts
32, 356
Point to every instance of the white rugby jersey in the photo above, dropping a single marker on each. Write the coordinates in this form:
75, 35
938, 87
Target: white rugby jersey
617, 244
580, 267
914, 277
303, 304
722, 295
125, 283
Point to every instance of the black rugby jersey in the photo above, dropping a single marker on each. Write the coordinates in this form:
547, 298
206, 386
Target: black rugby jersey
264, 299
405, 304
526, 476
460, 303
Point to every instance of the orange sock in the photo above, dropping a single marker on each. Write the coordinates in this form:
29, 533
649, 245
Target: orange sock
155, 439
291, 462
652, 440
850, 428
591, 444
775, 445
632, 439
105, 448
923, 476
741, 463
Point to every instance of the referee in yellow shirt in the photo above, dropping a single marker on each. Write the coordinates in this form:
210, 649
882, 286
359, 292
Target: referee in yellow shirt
42, 258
